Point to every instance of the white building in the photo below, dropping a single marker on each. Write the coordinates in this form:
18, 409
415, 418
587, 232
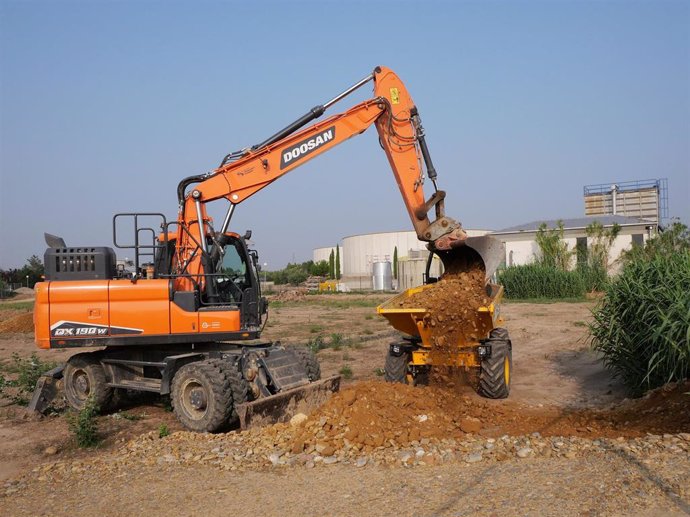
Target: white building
521, 246
358, 253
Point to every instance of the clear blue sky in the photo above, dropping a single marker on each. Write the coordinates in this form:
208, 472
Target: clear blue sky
105, 106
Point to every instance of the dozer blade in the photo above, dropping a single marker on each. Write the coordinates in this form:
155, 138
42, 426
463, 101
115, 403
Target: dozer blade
486, 251
283, 406
46, 390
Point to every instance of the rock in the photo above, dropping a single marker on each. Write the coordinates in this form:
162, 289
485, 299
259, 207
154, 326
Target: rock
328, 451
524, 452
422, 418
274, 459
298, 419
330, 460
309, 464
361, 462
470, 424
475, 457
50, 451
405, 456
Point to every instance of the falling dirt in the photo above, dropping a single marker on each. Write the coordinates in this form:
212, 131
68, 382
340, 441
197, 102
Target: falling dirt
451, 306
24, 323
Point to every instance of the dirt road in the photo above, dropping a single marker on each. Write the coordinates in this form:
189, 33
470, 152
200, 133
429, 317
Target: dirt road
559, 390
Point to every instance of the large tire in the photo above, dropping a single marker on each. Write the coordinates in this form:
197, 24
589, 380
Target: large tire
84, 378
202, 396
496, 371
238, 385
396, 368
310, 363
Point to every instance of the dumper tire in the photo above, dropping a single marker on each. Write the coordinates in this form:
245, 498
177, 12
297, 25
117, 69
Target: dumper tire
496, 371
310, 363
84, 379
396, 368
238, 385
201, 396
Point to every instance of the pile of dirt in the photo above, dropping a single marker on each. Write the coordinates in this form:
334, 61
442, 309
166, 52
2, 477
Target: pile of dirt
374, 414
663, 410
290, 295
24, 323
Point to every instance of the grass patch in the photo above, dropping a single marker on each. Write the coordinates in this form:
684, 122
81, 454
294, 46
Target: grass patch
369, 317
367, 332
576, 299
163, 431
83, 425
26, 372
18, 306
580, 323
129, 416
315, 329
379, 372
346, 372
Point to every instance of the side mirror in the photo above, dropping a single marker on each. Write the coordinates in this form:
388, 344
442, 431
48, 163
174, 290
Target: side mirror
247, 235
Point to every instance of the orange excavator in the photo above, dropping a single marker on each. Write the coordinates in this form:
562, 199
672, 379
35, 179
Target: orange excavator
187, 320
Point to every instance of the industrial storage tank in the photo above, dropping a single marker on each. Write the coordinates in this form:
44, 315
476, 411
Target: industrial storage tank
382, 277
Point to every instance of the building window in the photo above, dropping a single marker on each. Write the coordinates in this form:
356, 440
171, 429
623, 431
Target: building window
638, 239
581, 250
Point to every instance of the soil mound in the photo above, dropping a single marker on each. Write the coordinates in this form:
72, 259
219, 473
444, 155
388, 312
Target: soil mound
374, 414
663, 410
24, 323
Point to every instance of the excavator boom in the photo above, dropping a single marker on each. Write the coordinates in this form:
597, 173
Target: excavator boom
246, 172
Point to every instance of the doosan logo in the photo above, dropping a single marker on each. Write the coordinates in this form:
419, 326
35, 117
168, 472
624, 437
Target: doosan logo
303, 148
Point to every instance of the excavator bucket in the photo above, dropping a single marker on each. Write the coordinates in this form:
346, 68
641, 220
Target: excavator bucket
284, 405
485, 252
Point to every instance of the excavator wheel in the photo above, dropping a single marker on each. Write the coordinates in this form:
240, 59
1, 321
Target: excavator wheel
310, 363
396, 368
495, 371
238, 385
84, 378
202, 396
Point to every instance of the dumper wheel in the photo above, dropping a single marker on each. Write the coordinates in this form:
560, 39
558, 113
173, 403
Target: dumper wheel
396, 368
495, 371
310, 363
84, 378
202, 396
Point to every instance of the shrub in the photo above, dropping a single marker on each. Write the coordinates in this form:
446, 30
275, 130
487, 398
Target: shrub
541, 281
346, 372
29, 370
642, 324
83, 424
163, 431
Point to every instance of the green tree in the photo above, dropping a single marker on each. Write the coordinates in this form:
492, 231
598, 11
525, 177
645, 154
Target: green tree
675, 238
554, 250
600, 245
337, 262
319, 268
331, 265
395, 263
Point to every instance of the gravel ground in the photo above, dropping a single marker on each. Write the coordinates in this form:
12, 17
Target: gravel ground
617, 482
193, 473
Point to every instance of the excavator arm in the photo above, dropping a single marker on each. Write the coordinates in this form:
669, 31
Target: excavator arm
246, 172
